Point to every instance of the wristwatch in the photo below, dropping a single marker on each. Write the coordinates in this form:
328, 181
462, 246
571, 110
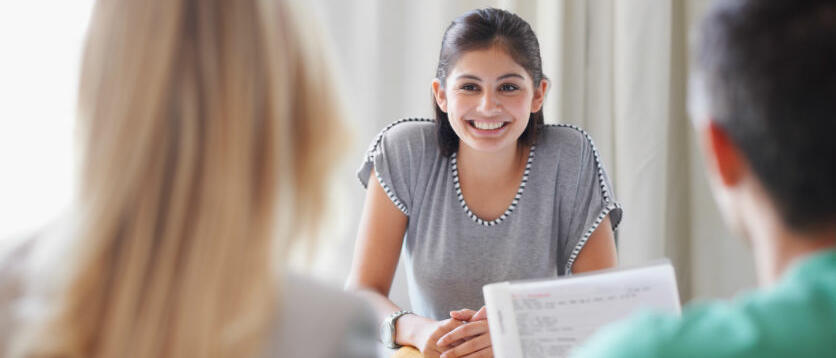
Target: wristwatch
387, 329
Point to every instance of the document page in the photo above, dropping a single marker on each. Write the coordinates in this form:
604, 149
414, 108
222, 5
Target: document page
549, 318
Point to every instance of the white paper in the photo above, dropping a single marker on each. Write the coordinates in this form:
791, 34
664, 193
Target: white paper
532, 319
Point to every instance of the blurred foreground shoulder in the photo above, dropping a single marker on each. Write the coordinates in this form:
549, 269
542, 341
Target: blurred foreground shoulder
320, 321
15, 256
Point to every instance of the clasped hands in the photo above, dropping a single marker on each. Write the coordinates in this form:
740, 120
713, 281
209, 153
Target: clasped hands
464, 334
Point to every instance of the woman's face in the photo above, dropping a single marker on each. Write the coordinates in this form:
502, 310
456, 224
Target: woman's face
488, 98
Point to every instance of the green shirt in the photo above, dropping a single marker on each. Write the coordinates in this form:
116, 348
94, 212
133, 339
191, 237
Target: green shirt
795, 318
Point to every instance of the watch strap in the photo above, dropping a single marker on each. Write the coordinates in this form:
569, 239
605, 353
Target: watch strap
390, 323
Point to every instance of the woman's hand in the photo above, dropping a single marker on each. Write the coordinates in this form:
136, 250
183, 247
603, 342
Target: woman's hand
470, 315
429, 333
472, 339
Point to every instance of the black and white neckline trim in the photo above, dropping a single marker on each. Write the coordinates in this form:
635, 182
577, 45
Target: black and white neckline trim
454, 167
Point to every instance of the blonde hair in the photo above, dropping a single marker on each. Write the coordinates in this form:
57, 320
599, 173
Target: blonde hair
205, 128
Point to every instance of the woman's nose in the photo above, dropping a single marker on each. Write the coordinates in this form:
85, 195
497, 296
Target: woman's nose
489, 103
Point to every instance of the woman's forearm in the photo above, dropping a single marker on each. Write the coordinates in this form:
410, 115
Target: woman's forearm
408, 330
407, 327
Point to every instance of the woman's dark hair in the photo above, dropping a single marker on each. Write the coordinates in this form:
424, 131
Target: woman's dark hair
482, 29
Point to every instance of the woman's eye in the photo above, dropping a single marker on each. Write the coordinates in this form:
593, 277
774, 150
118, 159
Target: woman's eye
469, 87
507, 87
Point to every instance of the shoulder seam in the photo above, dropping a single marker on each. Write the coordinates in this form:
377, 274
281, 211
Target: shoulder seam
599, 167
373, 148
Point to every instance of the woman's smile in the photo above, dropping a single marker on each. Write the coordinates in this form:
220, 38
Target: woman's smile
488, 128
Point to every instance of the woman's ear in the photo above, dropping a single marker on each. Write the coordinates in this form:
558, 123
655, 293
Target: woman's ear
539, 96
440, 95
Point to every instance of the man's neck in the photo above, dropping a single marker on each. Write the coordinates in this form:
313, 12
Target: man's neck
775, 245
778, 248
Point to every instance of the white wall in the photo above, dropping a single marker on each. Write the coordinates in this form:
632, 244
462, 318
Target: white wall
40, 45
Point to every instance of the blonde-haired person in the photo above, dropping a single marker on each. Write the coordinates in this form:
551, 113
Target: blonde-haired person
205, 129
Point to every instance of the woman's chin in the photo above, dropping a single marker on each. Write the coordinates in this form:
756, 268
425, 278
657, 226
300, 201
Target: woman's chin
488, 145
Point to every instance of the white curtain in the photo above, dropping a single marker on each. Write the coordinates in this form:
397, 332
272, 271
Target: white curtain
618, 69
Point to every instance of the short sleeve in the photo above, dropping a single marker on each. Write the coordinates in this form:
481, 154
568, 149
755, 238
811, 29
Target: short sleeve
592, 202
394, 155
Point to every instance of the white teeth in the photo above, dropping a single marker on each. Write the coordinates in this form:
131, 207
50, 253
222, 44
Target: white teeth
487, 125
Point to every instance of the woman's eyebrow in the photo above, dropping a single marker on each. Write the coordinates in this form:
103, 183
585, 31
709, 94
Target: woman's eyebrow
507, 75
468, 76
476, 78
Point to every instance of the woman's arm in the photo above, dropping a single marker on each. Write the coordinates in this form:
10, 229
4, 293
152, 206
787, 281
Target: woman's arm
376, 254
377, 249
599, 251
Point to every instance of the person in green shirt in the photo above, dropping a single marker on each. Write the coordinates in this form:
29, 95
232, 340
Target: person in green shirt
764, 106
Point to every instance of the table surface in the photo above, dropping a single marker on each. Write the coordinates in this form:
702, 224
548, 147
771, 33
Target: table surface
407, 352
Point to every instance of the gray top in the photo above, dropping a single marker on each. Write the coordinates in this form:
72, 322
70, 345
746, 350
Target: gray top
450, 253
312, 320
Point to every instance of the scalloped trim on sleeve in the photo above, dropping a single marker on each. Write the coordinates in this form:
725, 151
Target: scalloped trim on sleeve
605, 193
391, 194
374, 150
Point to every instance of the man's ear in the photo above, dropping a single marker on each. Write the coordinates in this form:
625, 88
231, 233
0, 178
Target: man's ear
723, 157
440, 95
539, 96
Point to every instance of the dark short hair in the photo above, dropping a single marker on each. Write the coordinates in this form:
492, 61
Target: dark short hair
481, 29
769, 75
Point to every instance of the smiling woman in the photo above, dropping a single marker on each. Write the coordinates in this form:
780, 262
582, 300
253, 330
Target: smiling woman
467, 200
